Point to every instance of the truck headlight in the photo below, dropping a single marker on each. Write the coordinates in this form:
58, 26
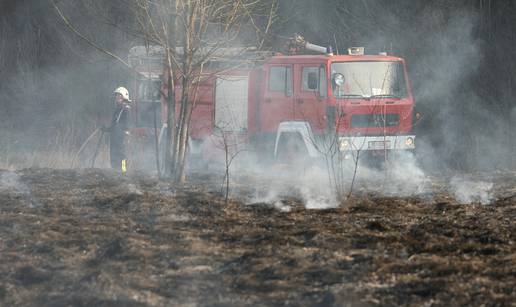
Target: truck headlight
344, 145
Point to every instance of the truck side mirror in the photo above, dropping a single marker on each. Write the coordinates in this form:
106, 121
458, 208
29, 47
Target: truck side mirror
417, 117
313, 82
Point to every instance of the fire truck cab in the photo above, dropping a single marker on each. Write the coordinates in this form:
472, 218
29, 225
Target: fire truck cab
364, 100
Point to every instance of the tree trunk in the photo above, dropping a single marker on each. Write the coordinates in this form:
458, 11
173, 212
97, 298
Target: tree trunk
182, 132
171, 123
187, 61
171, 103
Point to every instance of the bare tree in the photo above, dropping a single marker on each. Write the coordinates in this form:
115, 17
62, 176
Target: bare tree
207, 29
192, 34
339, 161
232, 144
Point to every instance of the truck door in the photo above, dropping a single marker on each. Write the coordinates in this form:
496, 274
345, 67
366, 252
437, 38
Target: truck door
309, 95
277, 103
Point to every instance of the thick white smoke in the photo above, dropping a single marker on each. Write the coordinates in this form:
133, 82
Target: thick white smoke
466, 190
311, 184
401, 176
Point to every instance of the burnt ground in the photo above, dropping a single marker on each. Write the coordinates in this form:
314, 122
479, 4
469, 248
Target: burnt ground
95, 238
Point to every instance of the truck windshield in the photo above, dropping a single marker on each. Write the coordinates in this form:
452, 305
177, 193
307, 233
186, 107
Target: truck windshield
370, 79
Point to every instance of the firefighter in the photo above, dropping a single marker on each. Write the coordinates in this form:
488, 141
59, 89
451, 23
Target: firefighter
119, 130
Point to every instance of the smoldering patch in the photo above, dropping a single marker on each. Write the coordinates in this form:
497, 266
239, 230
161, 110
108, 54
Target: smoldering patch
467, 190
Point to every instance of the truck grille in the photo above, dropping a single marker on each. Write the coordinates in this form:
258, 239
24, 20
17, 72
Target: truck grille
374, 120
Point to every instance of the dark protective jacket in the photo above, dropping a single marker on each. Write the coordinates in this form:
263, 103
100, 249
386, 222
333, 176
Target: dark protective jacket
120, 124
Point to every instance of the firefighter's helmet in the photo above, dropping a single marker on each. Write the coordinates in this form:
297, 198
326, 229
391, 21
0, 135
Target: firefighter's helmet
124, 92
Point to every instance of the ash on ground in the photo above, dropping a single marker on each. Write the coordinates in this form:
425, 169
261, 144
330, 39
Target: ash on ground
95, 238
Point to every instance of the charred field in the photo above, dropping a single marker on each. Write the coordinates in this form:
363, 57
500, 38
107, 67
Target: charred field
95, 238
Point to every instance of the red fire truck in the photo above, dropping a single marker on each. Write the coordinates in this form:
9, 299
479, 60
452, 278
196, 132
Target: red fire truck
291, 103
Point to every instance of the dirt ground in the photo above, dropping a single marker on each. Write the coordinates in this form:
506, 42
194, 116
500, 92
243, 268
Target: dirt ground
96, 238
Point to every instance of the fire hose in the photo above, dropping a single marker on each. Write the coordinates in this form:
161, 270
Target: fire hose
97, 148
86, 143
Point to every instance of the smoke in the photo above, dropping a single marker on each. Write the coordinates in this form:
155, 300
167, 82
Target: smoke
460, 129
465, 125
466, 190
311, 183
10, 182
400, 176
279, 182
314, 188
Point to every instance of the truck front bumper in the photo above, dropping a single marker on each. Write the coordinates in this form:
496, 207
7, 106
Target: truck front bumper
389, 142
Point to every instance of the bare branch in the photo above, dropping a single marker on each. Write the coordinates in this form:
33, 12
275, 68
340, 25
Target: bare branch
91, 43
